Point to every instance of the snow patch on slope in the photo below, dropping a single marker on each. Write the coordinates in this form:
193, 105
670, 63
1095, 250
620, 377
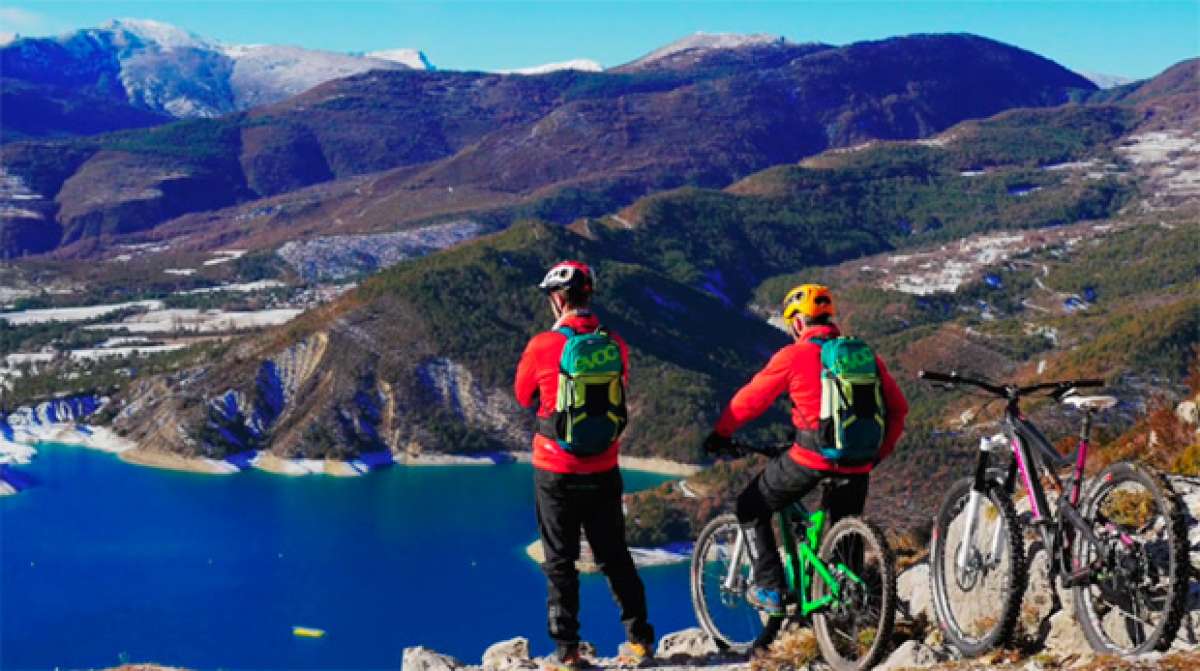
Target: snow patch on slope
1105, 81
163, 34
413, 58
266, 73
708, 42
340, 256
580, 64
168, 69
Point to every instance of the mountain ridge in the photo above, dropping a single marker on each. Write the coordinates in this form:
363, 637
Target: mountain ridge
591, 140
164, 70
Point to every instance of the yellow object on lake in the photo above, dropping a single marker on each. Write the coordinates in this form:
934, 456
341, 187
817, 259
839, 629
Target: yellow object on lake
308, 632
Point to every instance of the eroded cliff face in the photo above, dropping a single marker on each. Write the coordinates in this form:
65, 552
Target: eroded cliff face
335, 394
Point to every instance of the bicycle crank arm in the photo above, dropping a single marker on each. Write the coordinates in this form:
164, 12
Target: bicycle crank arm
1080, 524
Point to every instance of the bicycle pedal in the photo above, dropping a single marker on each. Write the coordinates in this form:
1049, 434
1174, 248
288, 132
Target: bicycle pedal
1076, 578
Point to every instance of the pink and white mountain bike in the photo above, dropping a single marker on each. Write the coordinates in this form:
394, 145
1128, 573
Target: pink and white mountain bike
1120, 544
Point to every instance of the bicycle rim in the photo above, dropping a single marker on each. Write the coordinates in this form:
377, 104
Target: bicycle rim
977, 605
1134, 598
855, 631
722, 612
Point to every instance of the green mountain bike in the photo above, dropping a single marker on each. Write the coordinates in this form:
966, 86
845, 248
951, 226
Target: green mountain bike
842, 578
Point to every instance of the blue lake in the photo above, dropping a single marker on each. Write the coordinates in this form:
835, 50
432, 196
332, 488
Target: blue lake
102, 562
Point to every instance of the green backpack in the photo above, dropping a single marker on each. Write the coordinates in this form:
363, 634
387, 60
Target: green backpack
853, 416
590, 412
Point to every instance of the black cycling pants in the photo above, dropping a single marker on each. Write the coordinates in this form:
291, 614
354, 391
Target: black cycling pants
782, 482
565, 503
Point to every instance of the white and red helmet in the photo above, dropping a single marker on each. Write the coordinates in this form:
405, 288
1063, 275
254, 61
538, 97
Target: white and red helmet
569, 275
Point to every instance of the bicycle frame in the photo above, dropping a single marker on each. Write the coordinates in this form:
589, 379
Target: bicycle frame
801, 562
1034, 456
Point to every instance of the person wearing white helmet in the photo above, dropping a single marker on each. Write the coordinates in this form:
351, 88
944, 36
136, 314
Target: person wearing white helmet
576, 372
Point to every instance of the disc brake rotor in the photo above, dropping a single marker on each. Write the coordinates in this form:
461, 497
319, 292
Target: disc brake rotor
966, 578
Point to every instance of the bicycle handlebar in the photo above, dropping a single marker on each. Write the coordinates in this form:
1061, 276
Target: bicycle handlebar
1060, 387
955, 378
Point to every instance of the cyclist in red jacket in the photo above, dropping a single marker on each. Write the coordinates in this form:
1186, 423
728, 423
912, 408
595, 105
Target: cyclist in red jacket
573, 491
808, 310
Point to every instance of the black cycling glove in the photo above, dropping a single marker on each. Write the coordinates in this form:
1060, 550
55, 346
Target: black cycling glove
717, 445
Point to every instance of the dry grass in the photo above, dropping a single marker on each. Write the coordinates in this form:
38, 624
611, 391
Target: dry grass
910, 547
1160, 439
1180, 661
1129, 509
794, 648
1007, 660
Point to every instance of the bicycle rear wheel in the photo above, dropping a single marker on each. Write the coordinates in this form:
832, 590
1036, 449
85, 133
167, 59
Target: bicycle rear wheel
721, 609
1133, 600
856, 630
976, 606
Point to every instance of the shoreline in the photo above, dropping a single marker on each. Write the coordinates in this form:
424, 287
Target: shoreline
175, 462
642, 557
659, 465
19, 450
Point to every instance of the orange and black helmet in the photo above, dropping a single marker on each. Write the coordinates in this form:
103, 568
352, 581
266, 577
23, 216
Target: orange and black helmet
808, 301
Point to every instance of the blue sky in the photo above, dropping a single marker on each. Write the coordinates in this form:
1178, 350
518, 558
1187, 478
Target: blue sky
1136, 39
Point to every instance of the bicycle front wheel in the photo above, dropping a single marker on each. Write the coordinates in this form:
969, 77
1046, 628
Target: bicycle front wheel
1133, 598
977, 585
720, 577
855, 630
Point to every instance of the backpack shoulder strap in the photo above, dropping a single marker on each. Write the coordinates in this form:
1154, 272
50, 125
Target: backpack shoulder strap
565, 330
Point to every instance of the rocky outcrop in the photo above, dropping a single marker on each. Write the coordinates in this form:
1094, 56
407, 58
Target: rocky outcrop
1188, 489
55, 411
454, 387
424, 659
339, 256
911, 654
685, 649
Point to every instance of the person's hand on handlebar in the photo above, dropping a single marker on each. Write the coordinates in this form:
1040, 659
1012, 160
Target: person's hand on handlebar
716, 445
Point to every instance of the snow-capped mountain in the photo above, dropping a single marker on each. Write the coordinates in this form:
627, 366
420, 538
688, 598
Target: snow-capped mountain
164, 69
704, 42
413, 58
162, 34
1106, 81
581, 64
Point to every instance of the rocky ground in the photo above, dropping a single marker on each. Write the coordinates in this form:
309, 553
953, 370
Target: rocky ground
1048, 636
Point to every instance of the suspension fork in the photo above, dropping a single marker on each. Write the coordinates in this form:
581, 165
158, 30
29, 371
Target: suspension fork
739, 548
978, 490
1006, 490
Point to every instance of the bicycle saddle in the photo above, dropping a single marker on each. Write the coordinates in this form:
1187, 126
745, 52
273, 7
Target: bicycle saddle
1090, 402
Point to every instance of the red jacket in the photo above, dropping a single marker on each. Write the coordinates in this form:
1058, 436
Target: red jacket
537, 374
797, 370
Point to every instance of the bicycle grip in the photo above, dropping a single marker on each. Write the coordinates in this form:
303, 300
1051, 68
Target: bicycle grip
933, 376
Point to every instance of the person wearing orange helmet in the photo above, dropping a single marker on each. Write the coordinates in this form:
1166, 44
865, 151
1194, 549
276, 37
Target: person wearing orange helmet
798, 369
575, 373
